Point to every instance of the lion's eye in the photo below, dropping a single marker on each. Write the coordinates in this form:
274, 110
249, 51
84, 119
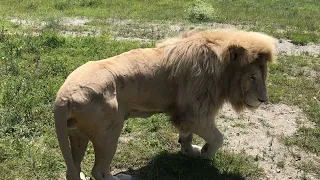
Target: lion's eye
252, 78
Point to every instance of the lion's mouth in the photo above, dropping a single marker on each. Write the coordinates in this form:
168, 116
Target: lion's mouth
251, 106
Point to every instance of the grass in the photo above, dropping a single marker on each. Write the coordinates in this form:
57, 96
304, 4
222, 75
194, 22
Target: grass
310, 166
280, 164
296, 20
32, 70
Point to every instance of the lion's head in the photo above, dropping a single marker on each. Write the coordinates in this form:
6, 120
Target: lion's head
252, 84
247, 54
247, 85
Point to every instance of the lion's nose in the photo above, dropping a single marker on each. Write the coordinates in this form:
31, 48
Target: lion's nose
263, 99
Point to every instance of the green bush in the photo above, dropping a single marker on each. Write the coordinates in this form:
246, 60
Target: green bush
200, 11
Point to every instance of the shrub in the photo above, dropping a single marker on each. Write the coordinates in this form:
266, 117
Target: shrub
200, 11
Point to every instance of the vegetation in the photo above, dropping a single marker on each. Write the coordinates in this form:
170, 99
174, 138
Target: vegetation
297, 20
200, 11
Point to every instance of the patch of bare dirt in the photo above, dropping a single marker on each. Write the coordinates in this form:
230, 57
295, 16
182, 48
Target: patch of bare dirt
259, 133
75, 21
288, 48
126, 138
27, 23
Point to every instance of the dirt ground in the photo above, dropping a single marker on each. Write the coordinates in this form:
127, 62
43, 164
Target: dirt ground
259, 134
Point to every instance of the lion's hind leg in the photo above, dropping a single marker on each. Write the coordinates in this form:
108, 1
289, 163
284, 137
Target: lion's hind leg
104, 143
104, 133
78, 143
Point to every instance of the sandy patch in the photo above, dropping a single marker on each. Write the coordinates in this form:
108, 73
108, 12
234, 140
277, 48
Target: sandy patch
258, 134
288, 48
75, 21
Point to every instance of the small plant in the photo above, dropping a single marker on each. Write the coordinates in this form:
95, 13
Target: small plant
2, 34
240, 125
53, 40
89, 3
52, 24
200, 11
32, 5
61, 5
280, 164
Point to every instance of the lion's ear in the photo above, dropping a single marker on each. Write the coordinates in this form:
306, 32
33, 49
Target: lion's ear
236, 53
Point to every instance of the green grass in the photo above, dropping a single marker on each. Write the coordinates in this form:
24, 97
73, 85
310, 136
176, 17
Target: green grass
293, 19
32, 68
280, 164
310, 166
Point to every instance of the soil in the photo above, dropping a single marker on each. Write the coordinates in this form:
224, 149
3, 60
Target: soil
259, 134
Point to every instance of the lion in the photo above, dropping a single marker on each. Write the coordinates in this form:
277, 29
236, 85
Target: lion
188, 78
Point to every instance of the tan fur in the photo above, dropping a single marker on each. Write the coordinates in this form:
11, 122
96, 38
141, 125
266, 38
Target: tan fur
188, 77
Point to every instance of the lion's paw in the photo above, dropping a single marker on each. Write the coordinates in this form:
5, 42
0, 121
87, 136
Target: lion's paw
192, 151
124, 177
83, 176
196, 150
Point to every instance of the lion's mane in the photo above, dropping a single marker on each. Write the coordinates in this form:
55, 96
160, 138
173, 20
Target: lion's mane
199, 63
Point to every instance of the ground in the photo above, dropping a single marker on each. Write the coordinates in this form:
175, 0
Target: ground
259, 134
41, 43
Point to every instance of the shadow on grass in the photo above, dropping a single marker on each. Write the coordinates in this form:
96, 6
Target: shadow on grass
168, 166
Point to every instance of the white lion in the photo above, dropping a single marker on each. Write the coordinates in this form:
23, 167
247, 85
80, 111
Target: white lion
188, 78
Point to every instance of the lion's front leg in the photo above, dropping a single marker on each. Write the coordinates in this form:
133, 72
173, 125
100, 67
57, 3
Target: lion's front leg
213, 138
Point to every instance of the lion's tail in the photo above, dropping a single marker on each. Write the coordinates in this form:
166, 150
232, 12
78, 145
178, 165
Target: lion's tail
61, 115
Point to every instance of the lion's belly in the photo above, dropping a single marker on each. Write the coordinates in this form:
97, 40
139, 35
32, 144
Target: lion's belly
141, 109
145, 103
